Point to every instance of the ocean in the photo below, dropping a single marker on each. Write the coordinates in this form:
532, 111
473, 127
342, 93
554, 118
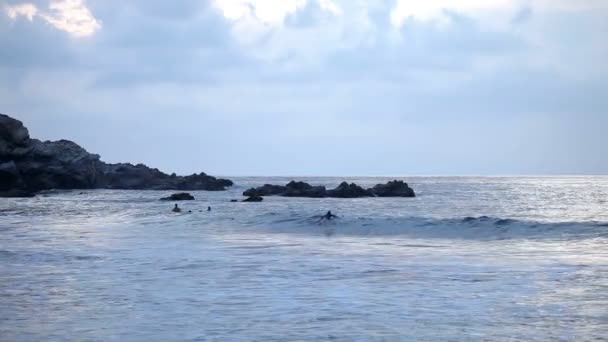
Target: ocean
470, 258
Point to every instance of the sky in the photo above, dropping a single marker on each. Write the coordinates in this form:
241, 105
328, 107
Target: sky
315, 87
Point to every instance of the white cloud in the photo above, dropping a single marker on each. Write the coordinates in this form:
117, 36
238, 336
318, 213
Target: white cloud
434, 9
266, 11
493, 12
331, 7
25, 10
71, 16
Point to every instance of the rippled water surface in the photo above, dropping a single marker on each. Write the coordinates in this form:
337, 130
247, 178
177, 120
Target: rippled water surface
471, 258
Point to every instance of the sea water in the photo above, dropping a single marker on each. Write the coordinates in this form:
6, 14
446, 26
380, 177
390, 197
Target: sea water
470, 258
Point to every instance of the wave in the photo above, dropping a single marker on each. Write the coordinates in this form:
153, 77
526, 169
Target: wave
482, 227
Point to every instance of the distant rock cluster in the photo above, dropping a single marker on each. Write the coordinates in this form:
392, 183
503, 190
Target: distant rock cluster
395, 188
181, 196
30, 165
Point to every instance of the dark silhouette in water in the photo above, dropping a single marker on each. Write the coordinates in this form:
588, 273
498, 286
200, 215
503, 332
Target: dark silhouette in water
208, 208
327, 217
176, 209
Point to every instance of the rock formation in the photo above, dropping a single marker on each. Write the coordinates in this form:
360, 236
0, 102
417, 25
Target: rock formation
181, 196
30, 165
394, 188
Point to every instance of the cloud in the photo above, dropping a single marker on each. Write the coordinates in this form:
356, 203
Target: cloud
25, 10
323, 85
266, 11
433, 9
71, 16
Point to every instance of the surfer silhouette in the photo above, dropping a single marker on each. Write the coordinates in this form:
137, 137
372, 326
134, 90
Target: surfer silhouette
176, 209
327, 217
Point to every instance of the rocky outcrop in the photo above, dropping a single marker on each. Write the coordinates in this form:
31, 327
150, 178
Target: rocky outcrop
30, 165
394, 188
182, 196
292, 189
265, 190
352, 190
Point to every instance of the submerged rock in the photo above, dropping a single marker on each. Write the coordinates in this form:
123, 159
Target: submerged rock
30, 165
254, 199
182, 196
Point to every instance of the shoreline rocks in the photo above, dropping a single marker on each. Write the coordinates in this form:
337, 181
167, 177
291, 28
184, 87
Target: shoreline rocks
395, 188
29, 165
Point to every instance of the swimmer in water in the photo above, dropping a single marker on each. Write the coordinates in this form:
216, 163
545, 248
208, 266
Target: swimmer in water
327, 217
208, 208
176, 209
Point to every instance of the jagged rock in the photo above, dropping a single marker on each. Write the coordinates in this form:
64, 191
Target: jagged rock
182, 196
352, 190
31, 165
254, 199
394, 188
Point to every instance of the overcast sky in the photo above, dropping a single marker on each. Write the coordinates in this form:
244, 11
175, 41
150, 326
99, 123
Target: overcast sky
315, 87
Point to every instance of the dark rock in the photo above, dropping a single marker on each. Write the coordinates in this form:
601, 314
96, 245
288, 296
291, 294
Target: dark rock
182, 196
31, 165
313, 191
394, 188
16, 193
265, 190
292, 189
254, 199
302, 189
352, 190
9, 176
12, 135
344, 190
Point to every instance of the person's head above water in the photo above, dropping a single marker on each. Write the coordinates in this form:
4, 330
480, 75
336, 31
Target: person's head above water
208, 208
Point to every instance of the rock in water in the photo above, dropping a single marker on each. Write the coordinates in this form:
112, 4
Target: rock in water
394, 188
30, 165
265, 190
352, 190
254, 199
182, 196
16, 193
302, 189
